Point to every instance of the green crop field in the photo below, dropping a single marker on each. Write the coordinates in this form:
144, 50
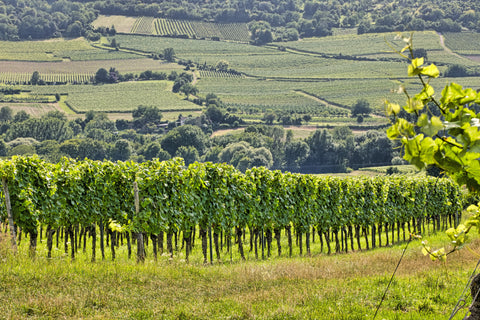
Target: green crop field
275, 93
365, 44
119, 97
265, 62
189, 48
465, 43
143, 25
56, 50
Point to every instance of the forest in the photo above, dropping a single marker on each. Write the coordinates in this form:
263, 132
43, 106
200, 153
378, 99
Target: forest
268, 20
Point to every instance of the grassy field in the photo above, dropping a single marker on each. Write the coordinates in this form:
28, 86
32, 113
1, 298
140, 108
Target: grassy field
342, 286
463, 43
122, 24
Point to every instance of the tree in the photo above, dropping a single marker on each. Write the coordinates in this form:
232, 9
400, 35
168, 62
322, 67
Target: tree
188, 89
187, 135
361, 107
101, 76
75, 29
296, 152
456, 70
222, 65
269, 117
144, 115
114, 44
188, 153
6, 114
151, 150
34, 80
121, 150
21, 116
169, 54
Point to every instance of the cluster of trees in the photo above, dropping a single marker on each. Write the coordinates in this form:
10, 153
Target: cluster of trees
146, 137
41, 19
279, 19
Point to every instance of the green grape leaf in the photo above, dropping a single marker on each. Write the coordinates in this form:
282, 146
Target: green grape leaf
430, 71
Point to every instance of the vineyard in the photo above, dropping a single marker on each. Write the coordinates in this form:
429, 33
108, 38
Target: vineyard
48, 78
191, 29
165, 27
56, 51
157, 199
143, 25
219, 74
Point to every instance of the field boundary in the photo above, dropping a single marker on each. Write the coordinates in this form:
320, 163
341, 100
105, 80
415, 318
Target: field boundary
320, 100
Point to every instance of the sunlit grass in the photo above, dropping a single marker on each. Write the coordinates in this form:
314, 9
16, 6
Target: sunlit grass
341, 286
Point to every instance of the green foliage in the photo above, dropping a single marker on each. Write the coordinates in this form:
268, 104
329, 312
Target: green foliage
361, 108
442, 133
176, 198
448, 140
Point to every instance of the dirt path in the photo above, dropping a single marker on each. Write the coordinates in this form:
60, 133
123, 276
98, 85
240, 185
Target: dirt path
317, 99
447, 49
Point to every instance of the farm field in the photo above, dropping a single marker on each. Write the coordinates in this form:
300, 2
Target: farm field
364, 44
293, 81
466, 43
174, 27
120, 97
72, 67
57, 50
271, 94
122, 24
34, 109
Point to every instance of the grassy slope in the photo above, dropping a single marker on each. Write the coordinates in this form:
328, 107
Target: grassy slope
344, 286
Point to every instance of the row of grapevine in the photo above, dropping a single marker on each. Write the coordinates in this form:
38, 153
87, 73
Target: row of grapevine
191, 29
24, 78
168, 27
143, 25
219, 74
157, 198
234, 31
317, 110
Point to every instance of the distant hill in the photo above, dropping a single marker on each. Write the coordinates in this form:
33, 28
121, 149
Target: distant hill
268, 20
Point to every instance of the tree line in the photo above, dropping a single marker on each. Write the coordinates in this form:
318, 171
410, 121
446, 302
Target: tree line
269, 20
148, 136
